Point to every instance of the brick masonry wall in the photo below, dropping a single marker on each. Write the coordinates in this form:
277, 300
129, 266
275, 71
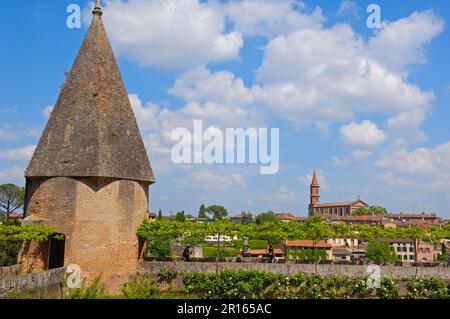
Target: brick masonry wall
99, 218
45, 284
152, 268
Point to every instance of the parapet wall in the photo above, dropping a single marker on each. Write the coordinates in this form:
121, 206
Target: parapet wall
396, 272
9, 272
47, 284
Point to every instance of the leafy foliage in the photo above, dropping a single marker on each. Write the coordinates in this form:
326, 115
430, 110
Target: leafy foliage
95, 290
372, 210
267, 217
256, 284
167, 275
140, 287
217, 212
427, 288
314, 229
380, 252
159, 246
11, 198
39, 233
202, 212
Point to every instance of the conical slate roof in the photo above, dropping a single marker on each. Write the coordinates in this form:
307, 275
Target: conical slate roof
92, 131
314, 181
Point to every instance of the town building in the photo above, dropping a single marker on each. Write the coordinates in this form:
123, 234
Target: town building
427, 252
243, 218
338, 208
286, 217
293, 248
403, 248
260, 253
89, 176
341, 254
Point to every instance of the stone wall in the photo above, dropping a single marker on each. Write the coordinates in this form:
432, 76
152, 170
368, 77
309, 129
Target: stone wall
9, 272
47, 284
398, 272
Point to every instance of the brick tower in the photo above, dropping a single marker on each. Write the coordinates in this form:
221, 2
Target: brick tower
314, 194
90, 174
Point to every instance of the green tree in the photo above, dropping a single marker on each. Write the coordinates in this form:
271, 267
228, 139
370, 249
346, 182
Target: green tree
181, 216
202, 212
11, 198
372, 210
267, 217
217, 212
379, 252
159, 246
248, 218
160, 214
316, 230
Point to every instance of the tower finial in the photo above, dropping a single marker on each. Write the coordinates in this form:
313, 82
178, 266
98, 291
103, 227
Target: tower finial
97, 9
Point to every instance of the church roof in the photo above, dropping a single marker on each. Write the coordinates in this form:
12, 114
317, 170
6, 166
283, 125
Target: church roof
353, 203
314, 181
92, 131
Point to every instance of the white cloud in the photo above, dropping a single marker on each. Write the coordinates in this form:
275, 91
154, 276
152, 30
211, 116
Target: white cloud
201, 85
271, 17
395, 180
306, 179
47, 111
406, 124
145, 115
329, 74
360, 155
283, 194
7, 132
170, 34
402, 42
419, 161
206, 179
23, 153
348, 8
366, 133
12, 175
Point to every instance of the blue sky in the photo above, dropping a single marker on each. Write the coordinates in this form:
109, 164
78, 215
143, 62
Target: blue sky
367, 108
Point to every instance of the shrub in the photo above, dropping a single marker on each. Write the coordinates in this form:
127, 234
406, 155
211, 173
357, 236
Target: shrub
388, 289
159, 246
95, 290
427, 288
140, 287
167, 275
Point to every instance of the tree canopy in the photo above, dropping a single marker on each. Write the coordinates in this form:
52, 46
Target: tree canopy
202, 212
372, 210
266, 217
11, 198
379, 252
217, 212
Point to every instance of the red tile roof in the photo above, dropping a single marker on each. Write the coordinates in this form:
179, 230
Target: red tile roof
340, 204
286, 216
306, 243
276, 251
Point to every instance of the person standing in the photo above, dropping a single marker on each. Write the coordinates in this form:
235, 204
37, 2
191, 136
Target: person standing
187, 253
270, 250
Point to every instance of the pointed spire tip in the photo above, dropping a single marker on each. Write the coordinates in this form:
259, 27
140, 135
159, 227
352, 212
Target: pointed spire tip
97, 9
